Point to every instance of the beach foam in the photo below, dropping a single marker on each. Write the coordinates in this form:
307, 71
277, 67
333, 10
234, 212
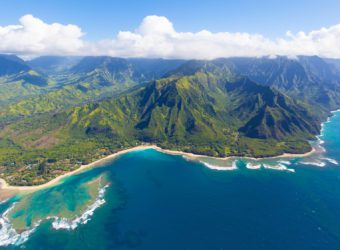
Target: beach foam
285, 162
279, 167
63, 223
251, 166
314, 163
8, 235
322, 129
330, 160
221, 168
4, 201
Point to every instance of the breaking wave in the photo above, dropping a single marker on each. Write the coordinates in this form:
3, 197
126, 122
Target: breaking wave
330, 160
251, 166
313, 163
280, 167
9, 236
221, 168
70, 224
285, 162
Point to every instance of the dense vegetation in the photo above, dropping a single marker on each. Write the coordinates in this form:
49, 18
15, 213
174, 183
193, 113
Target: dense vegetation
70, 81
218, 108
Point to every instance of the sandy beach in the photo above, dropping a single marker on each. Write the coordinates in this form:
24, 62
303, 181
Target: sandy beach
7, 191
195, 156
4, 187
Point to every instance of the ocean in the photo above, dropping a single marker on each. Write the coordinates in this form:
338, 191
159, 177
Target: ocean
151, 200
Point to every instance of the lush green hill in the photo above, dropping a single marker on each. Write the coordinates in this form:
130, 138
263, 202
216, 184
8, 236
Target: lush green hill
15, 69
112, 71
75, 81
236, 106
11, 64
200, 113
310, 79
53, 65
19, 81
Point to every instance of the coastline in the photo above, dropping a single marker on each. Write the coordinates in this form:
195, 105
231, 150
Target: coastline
195, 156
7, 190
4, 186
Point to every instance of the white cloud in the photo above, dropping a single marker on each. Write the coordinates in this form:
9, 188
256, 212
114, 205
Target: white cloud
34, 37
157, 37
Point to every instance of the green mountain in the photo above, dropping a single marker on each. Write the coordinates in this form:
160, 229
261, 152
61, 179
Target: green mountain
333, 62
11, 64
110, 70
76, 80
53, 65
206, 113
15, 69
19, 81
310, 79
235, 106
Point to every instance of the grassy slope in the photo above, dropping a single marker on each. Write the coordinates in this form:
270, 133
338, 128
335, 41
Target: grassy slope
200, 113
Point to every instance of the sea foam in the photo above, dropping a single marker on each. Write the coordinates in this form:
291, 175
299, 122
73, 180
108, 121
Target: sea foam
8, 235
285, 162
251, 166
314, 163
330, 160
221, 168
63, 223
279, 167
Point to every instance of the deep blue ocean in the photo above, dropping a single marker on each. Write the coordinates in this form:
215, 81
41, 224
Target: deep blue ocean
152, 200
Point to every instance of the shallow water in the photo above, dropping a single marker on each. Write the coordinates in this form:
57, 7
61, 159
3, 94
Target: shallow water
151, 200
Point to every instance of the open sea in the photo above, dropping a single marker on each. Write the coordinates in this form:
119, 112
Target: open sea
151, 200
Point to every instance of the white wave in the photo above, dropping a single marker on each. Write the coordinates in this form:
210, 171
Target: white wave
63, 223
4, 201
279, 167
314, 163
330, 160
285, 162
322, 129
334, 111
321, 141
8, 235
321, 149
251, 166
221, 168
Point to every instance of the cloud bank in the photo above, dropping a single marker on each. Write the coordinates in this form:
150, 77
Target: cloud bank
157, 37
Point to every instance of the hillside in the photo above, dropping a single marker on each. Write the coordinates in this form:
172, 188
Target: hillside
74, 81
200, 113
97, 105
310, 79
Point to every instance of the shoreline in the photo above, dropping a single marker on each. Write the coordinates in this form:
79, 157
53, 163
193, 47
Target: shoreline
195, 156
5, 188
7, 191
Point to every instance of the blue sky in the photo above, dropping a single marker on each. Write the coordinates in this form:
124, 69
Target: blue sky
103, 18
170, 29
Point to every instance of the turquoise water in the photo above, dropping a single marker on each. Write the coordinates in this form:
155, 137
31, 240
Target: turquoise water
150, 200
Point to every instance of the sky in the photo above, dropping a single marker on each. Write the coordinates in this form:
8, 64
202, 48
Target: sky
170, 29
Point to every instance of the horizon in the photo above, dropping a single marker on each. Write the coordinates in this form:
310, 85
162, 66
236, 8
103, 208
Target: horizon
273, 57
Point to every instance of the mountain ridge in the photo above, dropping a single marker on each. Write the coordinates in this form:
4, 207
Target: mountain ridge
203, 107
